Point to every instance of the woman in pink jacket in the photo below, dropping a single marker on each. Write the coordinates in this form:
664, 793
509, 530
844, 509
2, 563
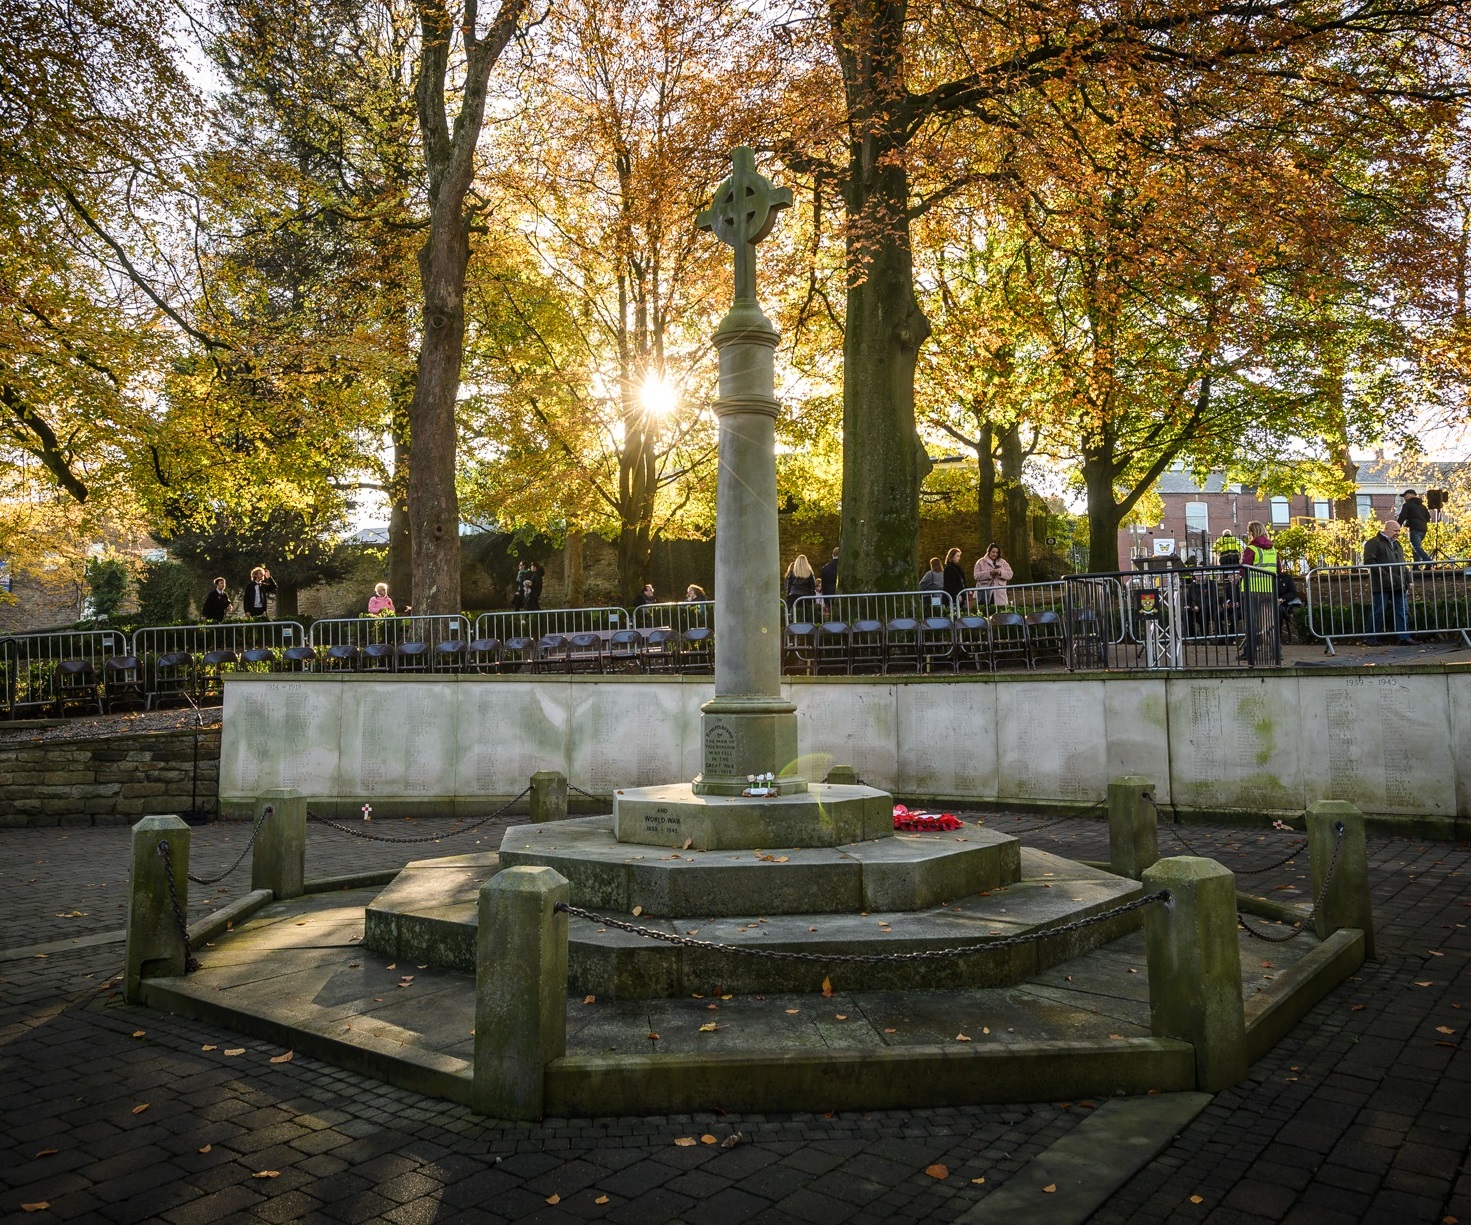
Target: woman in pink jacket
992, 573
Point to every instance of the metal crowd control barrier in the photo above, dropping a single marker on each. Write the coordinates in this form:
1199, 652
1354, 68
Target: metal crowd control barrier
1024, 598
680, 616
237, 636
880, 606
1341, 601
565, 621
388, 631
1200, 617
28, 663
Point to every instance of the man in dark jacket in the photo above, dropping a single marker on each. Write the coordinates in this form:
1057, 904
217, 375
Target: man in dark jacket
1414, 518
830, 575
1388, 580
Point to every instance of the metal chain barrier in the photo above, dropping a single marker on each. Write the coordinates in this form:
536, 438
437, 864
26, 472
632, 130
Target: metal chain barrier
215, 880
966, 950
190, 964
1068, 816
588, 795
474, 825
1173, 827
1302, 925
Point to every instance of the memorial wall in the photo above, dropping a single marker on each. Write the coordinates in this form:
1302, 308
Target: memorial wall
1393, 741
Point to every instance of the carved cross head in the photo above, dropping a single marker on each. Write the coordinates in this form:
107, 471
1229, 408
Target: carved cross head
742, 214
746, 204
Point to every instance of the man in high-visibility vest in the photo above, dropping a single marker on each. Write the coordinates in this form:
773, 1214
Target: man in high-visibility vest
1227, 549
1260, 558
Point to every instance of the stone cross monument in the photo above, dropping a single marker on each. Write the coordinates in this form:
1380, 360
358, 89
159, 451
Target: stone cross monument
748, 728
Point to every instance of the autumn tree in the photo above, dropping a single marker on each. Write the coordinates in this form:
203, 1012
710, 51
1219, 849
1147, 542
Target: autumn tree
926, 92
93, 110
597, 353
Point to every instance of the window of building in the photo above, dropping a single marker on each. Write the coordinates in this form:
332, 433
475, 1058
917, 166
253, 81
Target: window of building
1366, 505
1281, 512
1197, 517
1321, 508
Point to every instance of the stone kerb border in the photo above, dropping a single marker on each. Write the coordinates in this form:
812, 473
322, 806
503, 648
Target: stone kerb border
1204, 1036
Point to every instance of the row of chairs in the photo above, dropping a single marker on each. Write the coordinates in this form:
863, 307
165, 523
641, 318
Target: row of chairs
932, 644
124, 680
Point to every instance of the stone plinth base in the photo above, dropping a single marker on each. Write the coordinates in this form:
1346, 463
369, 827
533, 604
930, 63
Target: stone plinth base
824, 815
905, 872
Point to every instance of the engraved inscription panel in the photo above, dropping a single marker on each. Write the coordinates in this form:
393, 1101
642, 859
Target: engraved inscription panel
720, 748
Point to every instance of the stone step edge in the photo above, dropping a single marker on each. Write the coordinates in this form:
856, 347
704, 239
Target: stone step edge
588, 1086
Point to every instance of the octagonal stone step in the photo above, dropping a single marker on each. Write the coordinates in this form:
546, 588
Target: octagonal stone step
900, 872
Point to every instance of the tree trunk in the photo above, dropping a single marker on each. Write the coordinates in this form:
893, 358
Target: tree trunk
1103, 514
883, 458
400, 535
572, 571
985, 489
449, 160
882, 465
1017, 548
633, 560
433, 502
287, 603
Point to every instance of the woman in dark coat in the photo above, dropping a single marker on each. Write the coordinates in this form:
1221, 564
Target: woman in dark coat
954, 576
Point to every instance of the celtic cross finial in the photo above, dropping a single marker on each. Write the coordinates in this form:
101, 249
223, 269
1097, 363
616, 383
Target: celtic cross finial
742, 214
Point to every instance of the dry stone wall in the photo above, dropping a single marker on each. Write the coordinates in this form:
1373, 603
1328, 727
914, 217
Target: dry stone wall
106, 781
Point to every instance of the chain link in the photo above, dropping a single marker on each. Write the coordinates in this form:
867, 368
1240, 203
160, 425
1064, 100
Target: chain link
966, 950
1173, 827
190, 964
601, 799
362, 833
215, 880
1303, 924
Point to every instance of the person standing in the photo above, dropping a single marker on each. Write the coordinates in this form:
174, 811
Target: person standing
258, 593
800, 580
830, 575
1415, 519
646, 596
933, 579
380, 604
954, 577
533, 588
1260, 556
1388, 580
992, 573
523, 585
217, 603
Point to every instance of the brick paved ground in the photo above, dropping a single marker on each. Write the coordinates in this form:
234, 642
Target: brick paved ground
1354, 1117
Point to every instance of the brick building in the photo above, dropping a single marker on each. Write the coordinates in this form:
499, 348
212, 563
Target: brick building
1195, 515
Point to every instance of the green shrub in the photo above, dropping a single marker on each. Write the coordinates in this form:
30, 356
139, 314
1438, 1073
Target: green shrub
165, 593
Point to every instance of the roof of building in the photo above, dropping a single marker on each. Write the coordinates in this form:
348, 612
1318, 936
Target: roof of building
1375, 476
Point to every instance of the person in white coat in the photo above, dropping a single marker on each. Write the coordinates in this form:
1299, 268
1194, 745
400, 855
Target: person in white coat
992, 573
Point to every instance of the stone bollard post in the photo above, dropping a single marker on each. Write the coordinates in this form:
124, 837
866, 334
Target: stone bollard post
520, 990
279, 859
1345, 902
1133, 827
155, 945
842, 774
1195, 966
548, 801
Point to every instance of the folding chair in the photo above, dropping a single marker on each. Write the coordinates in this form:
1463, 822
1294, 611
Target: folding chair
1009, 641
75, 680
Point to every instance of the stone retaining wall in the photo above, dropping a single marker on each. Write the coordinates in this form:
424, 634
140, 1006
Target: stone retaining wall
110, 780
